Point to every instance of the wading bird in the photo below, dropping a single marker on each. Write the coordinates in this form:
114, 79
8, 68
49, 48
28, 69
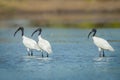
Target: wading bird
101, 43
30, 44
42, 43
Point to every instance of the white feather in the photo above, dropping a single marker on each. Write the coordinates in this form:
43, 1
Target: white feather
30, 43
44, 45
102, 43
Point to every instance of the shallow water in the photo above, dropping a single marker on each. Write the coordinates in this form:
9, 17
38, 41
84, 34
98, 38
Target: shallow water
74, 57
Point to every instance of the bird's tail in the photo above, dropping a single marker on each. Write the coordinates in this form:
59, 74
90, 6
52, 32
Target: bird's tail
111, 49
49, 51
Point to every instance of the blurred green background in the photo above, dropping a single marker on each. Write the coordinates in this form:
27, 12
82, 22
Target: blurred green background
60, 13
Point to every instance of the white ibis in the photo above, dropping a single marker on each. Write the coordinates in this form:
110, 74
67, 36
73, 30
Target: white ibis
30, 44
42, 43
101, 43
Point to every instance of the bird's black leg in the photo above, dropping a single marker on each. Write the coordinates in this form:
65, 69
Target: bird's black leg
31, 53
103, 54
28, 53
47, 55
42, 55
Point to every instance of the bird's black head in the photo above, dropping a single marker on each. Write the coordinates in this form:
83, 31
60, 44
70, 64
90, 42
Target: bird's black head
20, 28
94, 32
39, 29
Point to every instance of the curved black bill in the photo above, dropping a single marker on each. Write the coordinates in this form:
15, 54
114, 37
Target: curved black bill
89, 34
18, 30
39, 29
34, 32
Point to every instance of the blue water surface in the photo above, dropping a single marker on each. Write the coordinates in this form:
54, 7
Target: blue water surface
74, 56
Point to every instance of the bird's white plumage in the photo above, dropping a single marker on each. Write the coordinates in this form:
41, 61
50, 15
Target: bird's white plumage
30, 43
102, 43
44, 45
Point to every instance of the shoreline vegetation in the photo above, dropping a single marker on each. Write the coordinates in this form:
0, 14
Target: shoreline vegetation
64, 13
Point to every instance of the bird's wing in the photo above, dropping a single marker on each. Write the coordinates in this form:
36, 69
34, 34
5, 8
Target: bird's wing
45, 45
30, 43
102, 43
